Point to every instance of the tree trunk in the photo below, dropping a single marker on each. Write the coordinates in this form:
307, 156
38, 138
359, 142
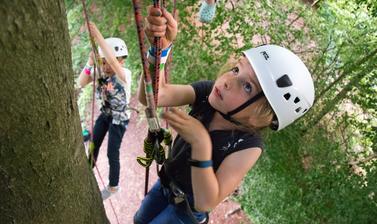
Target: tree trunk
44, 173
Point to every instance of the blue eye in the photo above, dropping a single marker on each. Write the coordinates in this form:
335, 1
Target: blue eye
247, 87
235, 70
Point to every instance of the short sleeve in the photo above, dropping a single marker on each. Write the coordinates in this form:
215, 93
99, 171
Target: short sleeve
202, 90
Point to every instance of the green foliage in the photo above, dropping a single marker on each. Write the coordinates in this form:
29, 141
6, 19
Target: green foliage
304, 175
307, 180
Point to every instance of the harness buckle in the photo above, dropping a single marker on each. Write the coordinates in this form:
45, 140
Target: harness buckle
178, 195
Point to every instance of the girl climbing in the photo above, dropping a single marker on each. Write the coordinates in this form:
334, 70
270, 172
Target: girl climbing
218, 142
114, 90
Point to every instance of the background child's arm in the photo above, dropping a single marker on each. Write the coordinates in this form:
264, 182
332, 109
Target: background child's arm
109, 54
85, 77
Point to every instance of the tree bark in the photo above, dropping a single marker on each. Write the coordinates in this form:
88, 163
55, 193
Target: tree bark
44, 173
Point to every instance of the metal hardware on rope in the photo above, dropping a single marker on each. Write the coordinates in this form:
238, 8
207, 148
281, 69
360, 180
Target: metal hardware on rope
153, 148
150, 111
156, 79
152, 144
151, 106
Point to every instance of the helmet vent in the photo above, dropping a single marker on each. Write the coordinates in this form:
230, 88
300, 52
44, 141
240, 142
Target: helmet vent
287, 96
296, 100
284, 81
298, 109
116, 48
304, 110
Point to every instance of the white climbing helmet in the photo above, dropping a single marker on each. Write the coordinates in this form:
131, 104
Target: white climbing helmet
285, 81
118, 45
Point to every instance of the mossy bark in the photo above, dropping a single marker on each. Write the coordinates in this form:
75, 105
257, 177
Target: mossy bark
44, 174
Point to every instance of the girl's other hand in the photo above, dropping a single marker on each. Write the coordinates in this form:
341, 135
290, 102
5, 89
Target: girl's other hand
189, 128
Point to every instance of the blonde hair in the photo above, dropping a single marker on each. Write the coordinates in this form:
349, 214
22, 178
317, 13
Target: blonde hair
262, 115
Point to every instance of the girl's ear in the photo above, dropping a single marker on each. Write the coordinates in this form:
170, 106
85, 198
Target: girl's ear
260, 117
257, 121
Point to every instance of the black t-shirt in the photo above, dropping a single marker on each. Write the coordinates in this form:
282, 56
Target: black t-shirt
224, 142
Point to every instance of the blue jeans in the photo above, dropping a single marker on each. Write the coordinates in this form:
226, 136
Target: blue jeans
156, 209
116, 132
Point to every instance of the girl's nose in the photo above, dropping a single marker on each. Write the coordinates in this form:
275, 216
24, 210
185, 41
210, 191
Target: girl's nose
229, 82
226, 85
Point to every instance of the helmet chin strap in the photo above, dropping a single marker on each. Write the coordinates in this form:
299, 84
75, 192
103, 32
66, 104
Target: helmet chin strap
228, 116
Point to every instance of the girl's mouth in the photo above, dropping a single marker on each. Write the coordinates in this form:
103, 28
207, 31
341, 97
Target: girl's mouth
218, 93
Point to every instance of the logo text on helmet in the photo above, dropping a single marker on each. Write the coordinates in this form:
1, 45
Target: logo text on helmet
265, 55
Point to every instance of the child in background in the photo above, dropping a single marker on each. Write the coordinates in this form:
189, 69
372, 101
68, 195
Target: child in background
114, 90
219, 141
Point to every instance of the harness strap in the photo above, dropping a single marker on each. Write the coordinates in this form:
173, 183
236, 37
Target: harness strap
177, 196
246, 104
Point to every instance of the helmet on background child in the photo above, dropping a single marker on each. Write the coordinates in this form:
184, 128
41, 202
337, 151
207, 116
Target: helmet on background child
118, 45
285, 81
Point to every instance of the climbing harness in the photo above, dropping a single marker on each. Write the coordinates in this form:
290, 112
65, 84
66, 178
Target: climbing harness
178, 197
150, 144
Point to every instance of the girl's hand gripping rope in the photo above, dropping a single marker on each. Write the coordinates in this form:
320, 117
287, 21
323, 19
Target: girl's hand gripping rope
160, 23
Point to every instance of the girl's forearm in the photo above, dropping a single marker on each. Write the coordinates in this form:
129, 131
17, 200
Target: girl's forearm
84, 77
204, 182
205, 188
